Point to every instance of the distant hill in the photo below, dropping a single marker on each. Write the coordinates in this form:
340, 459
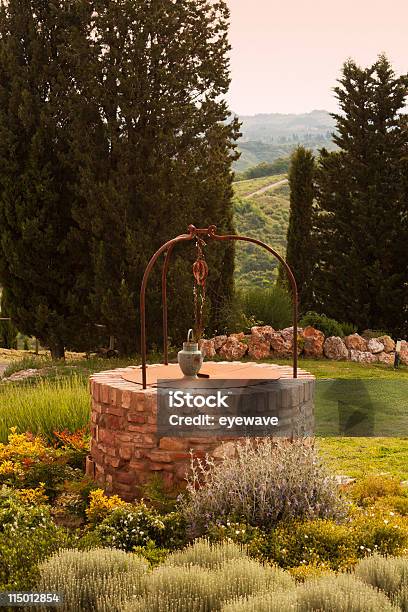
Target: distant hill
265, 137
264, 216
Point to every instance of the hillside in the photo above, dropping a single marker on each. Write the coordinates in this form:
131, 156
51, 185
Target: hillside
265, 137
264, 216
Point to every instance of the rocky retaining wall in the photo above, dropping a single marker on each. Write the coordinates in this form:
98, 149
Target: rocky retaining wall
264, 342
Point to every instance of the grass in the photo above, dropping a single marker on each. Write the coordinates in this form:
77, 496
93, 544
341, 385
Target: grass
44, 407
60, 400
358, 457
248, 186
57, 369
326, 368
266, 217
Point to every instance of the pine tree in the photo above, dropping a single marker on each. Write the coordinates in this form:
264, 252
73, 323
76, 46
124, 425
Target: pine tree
157, 156
299, 237
361, 224
42, 255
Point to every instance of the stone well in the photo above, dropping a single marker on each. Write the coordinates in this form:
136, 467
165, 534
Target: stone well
125, 448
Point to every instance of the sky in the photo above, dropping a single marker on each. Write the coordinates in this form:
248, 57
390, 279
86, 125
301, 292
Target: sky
287, 54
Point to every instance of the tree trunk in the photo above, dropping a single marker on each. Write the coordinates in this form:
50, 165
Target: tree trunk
57, 350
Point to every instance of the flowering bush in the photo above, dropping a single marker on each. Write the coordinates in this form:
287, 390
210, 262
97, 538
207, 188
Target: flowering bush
100, 505
26, 461
265, 482
125, 528
27, 535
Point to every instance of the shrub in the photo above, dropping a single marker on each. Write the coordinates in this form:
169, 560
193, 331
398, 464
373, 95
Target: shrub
263, 602
246, 576
342, 593
27, 536
206, 555
126, 528
205, 586
330, 327
390, 574
181, 589
99, 579
398, 503
26, 461
265, 482
310, 570
331, 546
373, 531
48, 406
101, 505
269, 306
373, 487
320, 543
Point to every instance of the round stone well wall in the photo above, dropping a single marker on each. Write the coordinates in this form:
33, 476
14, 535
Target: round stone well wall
125, 448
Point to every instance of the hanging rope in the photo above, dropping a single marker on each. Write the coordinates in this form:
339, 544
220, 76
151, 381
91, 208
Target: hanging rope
200, 273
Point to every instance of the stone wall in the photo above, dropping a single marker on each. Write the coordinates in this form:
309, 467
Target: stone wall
125, 449
264, 342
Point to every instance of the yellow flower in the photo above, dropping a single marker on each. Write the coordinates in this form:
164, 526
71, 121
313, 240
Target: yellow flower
7, 467
100, 505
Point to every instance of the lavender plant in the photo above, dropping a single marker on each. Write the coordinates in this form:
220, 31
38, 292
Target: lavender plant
266, 481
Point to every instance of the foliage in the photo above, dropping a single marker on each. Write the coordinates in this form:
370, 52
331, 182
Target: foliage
321, 543
206, 554
264, 483
342, 593
43, 262
99, 579
158, 495
390, 574
164, 145
372, 487
26, 461
185, 589
27, 536
204, 576
125, 527
269, 601
267, 306
328, 326
101, 505
299, 238
361, 198
246, 576
278, 166
329, 545
48, 406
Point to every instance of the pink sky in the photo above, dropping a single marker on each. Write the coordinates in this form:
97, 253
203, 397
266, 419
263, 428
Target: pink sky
287, 54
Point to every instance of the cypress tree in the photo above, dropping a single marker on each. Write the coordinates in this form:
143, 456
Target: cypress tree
299, 237
361, 223
42, 255
157, 156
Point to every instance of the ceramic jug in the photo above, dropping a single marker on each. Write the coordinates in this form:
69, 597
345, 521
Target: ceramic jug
190, 359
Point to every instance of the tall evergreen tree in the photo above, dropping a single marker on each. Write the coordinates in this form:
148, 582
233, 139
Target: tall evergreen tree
157, 155
361, 224
299, 237
42, 255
